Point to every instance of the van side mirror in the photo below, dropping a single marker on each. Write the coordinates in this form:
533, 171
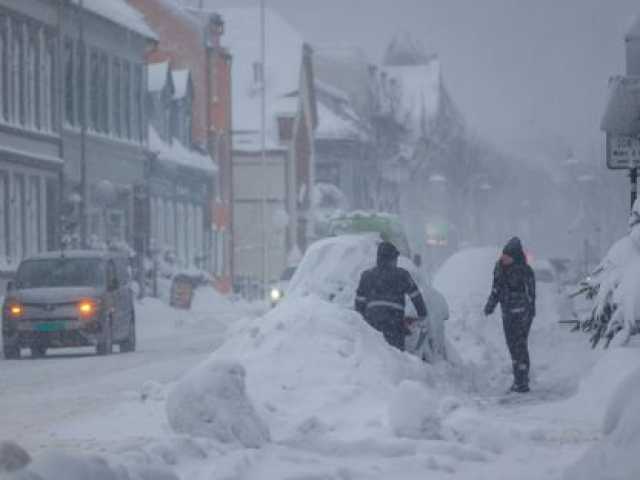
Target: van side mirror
10, 286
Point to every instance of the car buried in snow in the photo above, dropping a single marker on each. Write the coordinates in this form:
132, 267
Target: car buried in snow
331, 269
69, 299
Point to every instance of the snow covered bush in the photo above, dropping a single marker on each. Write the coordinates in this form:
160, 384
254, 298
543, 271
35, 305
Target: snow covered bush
615, 286
211, 401
615, 457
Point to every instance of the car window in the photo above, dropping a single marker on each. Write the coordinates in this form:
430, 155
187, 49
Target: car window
60, 272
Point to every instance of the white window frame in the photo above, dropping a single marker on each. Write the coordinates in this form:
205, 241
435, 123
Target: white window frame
4, 214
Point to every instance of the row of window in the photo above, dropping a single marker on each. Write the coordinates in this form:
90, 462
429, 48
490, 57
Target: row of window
113, 90
27, 74
179, 226
21, 215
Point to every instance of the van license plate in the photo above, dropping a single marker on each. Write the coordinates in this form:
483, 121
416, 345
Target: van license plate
51, 326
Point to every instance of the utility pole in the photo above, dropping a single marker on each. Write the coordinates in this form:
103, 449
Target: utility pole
83, 129
263, 143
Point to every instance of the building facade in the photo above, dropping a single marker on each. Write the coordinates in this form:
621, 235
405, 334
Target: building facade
272, 194
30, 130
104, 135
191, 41
180, 179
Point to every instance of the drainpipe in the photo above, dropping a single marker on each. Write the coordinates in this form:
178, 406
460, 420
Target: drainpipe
58, 231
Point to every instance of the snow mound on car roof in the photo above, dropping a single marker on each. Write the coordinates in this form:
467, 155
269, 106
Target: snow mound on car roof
315, 368
465, 281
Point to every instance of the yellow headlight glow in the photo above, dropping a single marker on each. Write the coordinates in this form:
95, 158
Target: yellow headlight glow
276, 294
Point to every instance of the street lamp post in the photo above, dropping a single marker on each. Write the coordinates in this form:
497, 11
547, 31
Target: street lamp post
263, 145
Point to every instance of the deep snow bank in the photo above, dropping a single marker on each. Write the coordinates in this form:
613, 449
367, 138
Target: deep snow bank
616, 456
55, 465
315, 368
211, 401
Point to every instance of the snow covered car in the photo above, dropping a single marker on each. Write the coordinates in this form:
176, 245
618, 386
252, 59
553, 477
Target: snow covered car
279, 289
331, 269
69, 299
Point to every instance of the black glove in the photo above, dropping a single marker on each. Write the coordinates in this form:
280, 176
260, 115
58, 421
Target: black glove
488, 310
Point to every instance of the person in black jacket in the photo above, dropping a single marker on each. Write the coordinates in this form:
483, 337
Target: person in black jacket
514, 287
380, 297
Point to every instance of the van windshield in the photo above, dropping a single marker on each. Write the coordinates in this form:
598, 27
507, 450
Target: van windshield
60, 272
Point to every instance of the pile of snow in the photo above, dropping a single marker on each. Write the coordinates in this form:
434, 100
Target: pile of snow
616, 456
57, 465
211, 401
414, 412
315, 369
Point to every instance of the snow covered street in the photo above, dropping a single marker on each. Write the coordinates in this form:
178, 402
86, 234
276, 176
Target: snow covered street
308, 391
55, 402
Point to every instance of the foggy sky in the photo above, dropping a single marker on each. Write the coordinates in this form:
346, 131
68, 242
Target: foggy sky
529, 75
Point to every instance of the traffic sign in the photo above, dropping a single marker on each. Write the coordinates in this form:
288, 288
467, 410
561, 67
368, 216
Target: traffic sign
623, 152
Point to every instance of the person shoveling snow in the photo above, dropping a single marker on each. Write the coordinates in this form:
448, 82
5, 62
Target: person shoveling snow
381, 296
514, 287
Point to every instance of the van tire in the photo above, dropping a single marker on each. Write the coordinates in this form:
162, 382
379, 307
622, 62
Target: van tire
129, 345
38, 351
105, 344
11, 353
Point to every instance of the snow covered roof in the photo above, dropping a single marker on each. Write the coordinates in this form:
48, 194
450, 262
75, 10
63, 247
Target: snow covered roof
282, 72
621, 114
120, 12
179, 154
157, 76
336, 117
331, 125
419, 88
181, 80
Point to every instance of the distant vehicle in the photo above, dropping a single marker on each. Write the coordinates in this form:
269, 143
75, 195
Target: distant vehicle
387, 226
331, 269
279, 290
69, 299
544, 271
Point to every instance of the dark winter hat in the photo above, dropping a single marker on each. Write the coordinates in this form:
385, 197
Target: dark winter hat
514, 249
387, 251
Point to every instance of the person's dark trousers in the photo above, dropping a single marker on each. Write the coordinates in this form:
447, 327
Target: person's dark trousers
391, 328
516, 331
